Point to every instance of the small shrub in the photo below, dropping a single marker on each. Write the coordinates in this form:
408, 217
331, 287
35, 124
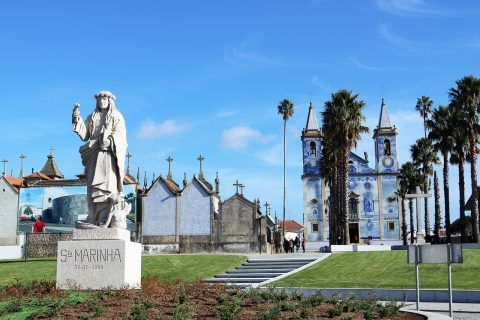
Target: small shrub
304, 313
390, 309
334, 312
138, 312
229, 310
368, 315
94, 306
272, 314
285, 306
182, 298
183, 312
220, 298
314, 300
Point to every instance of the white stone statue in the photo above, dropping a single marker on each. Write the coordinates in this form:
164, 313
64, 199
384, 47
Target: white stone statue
103, 156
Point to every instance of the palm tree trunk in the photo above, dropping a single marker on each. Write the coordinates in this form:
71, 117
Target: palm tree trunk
412, 228
461, 188
446, 195
404, 223
473, 176
425, 125
438, 213
345, 197
284, 173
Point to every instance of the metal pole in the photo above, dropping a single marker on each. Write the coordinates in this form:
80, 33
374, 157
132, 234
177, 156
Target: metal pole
417, 281
449, 253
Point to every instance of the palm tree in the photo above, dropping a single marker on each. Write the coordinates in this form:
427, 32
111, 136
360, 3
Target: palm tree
409, 178
441, 133
401, 192
286, 109
424, 106
424, 156
459, 156
329, 173
466, 97
343, 117
438, 213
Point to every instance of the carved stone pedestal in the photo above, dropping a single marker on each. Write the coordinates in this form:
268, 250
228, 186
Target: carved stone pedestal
99, 259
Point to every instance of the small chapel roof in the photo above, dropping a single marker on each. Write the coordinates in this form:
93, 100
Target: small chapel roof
312, 123
16, 182
37, 176
50, 168
291, 225
12, 182
384, 121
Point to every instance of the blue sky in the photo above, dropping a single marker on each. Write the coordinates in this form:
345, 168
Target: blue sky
204, 77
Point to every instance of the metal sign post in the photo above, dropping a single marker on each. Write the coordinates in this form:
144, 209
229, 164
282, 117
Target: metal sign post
435, 254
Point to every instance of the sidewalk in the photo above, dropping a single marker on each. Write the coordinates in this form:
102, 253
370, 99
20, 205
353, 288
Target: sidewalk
461, 311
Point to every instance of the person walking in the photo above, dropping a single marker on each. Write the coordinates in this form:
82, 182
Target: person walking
286, 245
290, 245
303, 244
297, 244
39, 226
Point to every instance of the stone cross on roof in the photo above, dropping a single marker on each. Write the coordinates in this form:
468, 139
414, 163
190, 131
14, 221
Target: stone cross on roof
237, 185
22, 156
200, 158
51, 150
128, 156
4, 172
169, 160
241, 186
267, 207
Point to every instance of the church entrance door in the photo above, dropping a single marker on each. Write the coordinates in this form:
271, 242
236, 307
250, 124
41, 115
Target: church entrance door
354, 232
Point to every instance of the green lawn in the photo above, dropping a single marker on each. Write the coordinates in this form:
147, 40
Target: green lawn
387, 269
168, 267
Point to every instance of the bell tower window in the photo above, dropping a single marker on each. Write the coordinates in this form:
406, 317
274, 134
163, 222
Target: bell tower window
313, 150
387, 151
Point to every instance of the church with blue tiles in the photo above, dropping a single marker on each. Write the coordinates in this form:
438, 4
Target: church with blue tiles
372, 202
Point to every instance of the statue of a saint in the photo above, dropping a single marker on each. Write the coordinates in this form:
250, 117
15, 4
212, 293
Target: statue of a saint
103, 156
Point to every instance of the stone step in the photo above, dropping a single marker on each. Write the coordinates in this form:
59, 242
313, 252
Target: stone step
267, 267
234, 280
281, 260
248, 270
249, 275
287, 263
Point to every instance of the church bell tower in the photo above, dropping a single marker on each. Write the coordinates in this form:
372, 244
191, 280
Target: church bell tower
313, 189
385, 136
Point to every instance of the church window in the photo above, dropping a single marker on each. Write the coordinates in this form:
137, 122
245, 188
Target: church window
313, 150
386, 148
315, 227
353, 206
391, 226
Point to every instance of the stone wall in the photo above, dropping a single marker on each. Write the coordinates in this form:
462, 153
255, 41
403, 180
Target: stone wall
43, 245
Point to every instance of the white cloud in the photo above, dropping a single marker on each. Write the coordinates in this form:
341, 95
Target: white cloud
247, 54
409, 7
363, 66
401, 42
316, 81
149, 129
226, 113
240, 137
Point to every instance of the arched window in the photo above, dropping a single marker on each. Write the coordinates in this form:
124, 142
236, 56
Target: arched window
353, 206
386, 148
313, 150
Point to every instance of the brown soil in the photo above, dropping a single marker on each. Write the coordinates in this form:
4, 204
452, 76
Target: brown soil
160, 300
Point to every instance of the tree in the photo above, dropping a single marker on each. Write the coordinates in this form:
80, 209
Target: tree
438, 213
286, 109
441, 133
409, 179
459, 156
424, 156
28, 211
401, 192
466, 97
343, 119
424, 106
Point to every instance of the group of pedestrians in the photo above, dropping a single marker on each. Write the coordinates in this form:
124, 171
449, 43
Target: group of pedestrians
290, 245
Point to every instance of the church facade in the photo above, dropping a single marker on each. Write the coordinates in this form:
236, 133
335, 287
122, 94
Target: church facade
372, 202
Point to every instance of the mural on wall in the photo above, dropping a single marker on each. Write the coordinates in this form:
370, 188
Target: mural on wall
387, 147
313, 208
71, 203
390, 207
311, 156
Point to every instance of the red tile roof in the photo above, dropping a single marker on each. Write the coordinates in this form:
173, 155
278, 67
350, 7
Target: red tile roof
16, 182
35, 175
291, 225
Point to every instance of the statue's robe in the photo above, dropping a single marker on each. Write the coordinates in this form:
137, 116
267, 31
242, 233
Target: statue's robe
104, 169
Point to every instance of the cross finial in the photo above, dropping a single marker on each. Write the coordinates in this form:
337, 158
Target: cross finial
4, 166
51, 150
22, 156
241, 186
237, 185
169, 160
267, 207
200, 158
129, 155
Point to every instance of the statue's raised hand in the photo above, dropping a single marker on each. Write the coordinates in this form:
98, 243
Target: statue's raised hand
76, 113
